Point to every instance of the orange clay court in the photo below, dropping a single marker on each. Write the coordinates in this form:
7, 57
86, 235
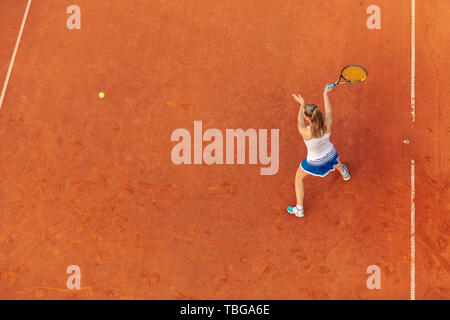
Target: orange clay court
89, 182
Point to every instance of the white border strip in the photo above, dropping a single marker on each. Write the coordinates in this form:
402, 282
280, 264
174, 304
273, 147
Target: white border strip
8, 75
413, 118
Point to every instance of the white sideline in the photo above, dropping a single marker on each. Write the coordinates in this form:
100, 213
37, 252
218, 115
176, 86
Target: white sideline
8, 75
413, 231
413, 114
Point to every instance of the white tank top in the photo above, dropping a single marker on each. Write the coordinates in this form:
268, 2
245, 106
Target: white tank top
319, 149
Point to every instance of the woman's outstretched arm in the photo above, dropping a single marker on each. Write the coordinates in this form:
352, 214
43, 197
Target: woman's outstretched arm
328, 113
301, 124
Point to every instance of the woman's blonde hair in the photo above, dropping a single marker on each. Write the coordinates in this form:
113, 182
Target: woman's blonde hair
317, 127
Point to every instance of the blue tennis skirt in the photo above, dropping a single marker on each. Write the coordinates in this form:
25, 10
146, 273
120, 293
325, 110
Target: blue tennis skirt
321, 167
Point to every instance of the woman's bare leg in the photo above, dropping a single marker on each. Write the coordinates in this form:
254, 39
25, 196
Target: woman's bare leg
339, 167
299, 185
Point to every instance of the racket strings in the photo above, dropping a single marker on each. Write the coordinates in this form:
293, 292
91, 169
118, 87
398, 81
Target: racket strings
354, 73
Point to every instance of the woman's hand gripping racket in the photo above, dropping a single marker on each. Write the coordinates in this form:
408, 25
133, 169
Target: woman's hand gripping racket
350, 74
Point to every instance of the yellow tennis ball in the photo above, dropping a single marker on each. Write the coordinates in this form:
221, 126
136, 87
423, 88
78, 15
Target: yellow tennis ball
101, 95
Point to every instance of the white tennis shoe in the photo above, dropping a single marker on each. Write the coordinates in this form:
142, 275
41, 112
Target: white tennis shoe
346, 174
296, 211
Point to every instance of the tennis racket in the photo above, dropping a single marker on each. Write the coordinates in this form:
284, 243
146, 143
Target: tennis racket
350, 74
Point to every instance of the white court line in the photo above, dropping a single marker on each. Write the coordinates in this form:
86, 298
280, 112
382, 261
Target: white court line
413, 60
413, 113
8, 75
413, 231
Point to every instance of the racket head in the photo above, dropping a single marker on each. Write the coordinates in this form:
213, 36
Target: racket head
354, 73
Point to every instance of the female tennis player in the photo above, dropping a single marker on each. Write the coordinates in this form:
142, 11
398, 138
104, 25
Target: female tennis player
322, 158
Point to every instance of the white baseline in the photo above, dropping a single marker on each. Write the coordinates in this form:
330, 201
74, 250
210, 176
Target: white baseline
8, 75
413, 118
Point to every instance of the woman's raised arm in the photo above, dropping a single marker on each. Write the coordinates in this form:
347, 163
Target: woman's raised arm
301, 124
328, 113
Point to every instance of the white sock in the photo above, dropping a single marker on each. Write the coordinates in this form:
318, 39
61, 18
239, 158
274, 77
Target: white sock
299, 207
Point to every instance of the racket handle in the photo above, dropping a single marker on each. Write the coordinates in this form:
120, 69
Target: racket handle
330, 86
